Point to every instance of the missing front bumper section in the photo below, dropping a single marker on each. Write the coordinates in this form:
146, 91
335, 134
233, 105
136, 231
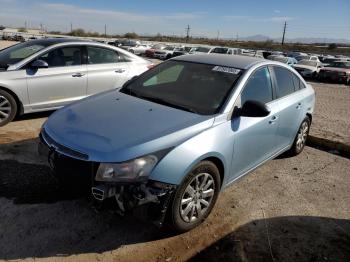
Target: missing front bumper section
147, 201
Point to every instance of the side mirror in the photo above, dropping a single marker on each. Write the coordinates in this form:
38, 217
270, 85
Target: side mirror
39, 64
254, 109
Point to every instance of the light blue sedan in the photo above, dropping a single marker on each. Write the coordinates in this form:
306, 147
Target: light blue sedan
172, 138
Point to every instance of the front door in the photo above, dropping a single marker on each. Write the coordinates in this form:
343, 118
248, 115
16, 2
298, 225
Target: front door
64, 81
255, 137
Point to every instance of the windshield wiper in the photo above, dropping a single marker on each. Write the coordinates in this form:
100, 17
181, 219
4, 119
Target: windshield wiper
167, 103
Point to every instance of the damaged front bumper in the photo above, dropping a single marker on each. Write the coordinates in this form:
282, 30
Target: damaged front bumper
148, 200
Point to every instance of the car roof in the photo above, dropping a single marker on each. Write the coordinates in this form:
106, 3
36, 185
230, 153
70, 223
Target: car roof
236, 61
53, 41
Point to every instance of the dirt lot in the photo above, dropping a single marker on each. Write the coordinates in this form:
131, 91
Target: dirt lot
291, 209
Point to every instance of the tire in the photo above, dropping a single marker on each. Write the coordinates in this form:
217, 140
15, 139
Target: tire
8, 108
168, 57
301, 137
200, 189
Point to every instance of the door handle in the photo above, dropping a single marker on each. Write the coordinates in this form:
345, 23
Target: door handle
120, 70
298, 106
78, 75
273, 120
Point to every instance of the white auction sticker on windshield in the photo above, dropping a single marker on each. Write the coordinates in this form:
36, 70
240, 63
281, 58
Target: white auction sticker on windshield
225, 69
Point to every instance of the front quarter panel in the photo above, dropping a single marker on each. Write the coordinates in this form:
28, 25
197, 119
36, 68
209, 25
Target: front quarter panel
215, 142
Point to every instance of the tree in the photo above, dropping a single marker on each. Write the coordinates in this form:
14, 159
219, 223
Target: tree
78, 32
131, 35
22, 30
332, 46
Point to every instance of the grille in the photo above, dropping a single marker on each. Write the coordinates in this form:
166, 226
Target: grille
61, 148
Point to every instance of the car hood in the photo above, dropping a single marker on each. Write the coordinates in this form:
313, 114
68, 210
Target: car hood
115, 127
305, 67
336, 69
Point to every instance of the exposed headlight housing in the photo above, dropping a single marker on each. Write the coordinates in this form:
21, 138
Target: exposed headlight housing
136, 170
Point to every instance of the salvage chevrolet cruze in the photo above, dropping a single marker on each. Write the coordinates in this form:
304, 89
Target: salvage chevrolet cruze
172, 138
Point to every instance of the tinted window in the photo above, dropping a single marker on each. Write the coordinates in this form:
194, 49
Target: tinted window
199, 88
98, 55
66, 56
258, 87
285, 83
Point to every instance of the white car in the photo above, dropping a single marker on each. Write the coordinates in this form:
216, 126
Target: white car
308, 68
46, 74
139, 49
166, 53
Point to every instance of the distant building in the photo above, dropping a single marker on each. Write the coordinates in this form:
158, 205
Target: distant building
33, 31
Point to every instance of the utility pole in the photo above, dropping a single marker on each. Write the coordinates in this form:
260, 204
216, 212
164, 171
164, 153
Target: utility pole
284, 32
71, 27
236, 37
188, 33
25, 25
218, 35
105, 30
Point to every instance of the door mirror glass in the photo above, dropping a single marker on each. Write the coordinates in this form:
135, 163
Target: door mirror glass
39, 64
253, 108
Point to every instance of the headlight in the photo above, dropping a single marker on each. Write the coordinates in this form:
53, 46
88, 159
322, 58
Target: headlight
136, 170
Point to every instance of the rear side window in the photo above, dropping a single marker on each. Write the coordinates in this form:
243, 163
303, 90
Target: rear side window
297, 83
98, 55
258, 87
285, 81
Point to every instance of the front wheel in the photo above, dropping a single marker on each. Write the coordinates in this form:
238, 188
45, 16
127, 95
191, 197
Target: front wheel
8, 108
301, 137
195, 198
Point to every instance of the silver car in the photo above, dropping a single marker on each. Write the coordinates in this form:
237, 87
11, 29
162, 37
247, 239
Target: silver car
46, 74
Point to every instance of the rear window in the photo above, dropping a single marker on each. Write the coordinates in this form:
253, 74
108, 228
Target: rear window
198, 88
285, 82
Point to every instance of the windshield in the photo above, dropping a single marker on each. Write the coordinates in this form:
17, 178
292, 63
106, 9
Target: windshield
198, 88
202, 49
220, 50
340, 64
169, 48
307, 62
280, 59
16, 53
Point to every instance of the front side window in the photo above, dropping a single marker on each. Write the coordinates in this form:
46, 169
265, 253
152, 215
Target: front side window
284, 81
258, 87
198, 88
16, 53
100, 55
66, 56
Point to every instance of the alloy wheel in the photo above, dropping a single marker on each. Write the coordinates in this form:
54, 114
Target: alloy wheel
5, 109
302, 135
197, 197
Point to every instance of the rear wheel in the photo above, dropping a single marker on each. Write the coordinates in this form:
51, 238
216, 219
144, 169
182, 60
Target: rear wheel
8, 108
195, 198
301, 137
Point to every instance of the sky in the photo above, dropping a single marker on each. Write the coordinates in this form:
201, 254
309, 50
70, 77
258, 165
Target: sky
210, 18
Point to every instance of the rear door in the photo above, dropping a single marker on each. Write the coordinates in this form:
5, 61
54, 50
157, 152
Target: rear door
291, 103
107, 69
255, 137
64, 81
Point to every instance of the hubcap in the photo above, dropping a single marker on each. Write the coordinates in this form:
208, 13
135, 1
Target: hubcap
302, 135
5, 108
197, 197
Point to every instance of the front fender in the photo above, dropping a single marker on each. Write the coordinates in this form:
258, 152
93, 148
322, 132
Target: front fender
215, 142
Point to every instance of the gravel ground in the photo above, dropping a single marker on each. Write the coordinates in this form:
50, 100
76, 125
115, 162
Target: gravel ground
331, 119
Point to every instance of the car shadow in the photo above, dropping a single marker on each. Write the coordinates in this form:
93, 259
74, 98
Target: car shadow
291, 238
33, 116
39, 218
